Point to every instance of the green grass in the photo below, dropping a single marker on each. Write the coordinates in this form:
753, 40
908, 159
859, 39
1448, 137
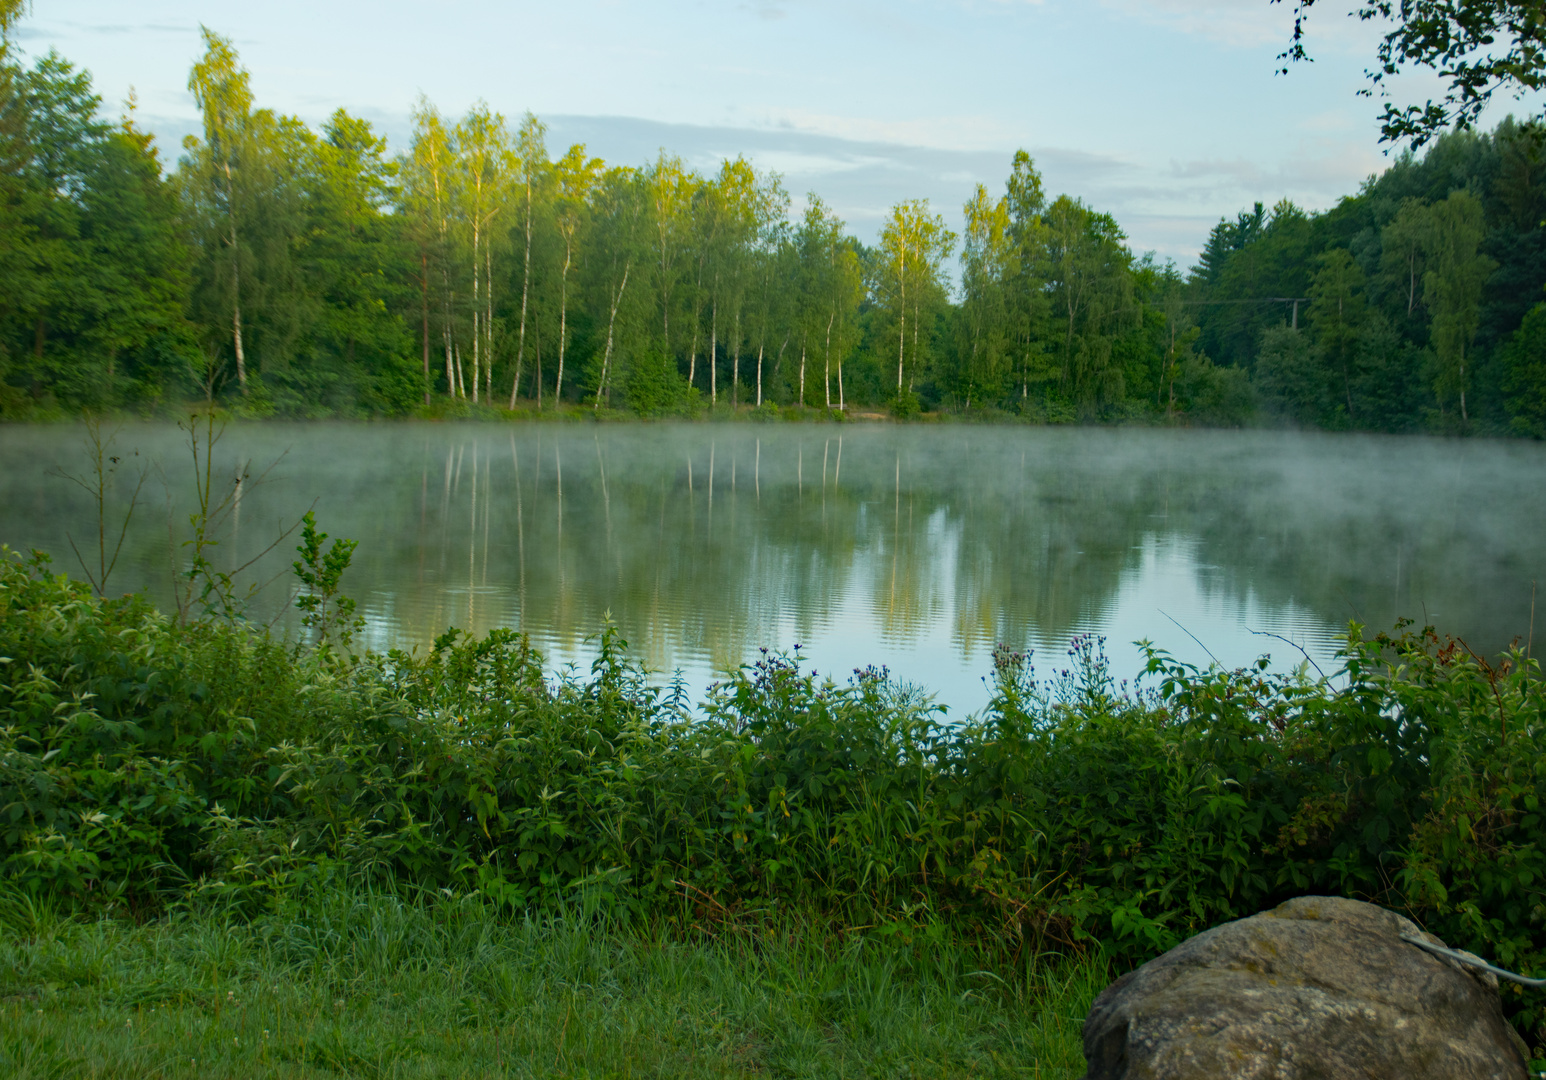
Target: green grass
370, 985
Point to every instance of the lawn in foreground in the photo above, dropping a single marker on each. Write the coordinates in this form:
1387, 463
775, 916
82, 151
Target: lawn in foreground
373, 986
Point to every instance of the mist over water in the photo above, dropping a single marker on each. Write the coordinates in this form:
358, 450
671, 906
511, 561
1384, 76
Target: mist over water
918, 548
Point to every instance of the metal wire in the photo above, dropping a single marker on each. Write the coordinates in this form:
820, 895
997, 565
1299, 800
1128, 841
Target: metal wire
1471, 961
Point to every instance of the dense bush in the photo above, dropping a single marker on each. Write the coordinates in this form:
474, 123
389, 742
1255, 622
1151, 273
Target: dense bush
144, 761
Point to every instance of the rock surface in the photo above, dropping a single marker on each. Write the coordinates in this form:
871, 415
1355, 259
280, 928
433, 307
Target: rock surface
1319, 987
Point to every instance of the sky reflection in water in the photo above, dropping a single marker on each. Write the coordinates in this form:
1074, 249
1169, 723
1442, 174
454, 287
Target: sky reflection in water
918, 548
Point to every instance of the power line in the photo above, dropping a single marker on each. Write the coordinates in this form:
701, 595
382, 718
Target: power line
1260, 300
1295, 300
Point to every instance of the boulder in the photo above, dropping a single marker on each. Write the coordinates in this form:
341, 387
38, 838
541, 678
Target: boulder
1319, 987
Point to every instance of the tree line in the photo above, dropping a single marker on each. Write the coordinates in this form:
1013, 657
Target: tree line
288, 270
1414, 305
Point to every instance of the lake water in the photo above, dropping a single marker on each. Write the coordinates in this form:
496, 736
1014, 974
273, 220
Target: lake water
915, 547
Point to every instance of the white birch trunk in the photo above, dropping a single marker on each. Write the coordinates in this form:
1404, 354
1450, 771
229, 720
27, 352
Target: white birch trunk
488, 322
917, 319
477, 337
901, 343
802, 372
236, 287
520, 352
563, 325
236, 334
826, 364
606, 359
735, 366
692, 353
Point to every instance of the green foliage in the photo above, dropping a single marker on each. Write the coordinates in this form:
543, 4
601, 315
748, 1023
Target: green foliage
1525, 380
142, 760
1290, 379
654, 387
297, 271
93, 266
1406, 295
1213, 395
1476, 47
327, 611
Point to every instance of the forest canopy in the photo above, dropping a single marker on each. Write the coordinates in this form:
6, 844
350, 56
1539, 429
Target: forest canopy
289, 270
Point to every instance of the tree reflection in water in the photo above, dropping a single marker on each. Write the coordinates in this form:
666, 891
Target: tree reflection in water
917, 547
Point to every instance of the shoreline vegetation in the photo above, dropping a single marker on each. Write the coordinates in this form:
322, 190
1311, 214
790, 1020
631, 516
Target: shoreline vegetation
791, 867
283, 270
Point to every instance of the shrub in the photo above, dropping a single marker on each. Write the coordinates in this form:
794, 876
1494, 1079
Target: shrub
143, 761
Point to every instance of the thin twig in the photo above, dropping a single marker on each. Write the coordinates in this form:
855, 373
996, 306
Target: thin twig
1530, 641
1348, 600
1492, 680
1295, 644
97, 489
1193, 636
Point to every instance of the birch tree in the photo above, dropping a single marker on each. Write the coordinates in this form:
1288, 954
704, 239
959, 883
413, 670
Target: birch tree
914, 244
820, 242
735, 195
621, 207
576, 177
1090, 284
986, 268
766, 259
531, 163
428, 173
1403, 245
847, 284
485, 157
671, 189
834, 288
220, 87
245, 188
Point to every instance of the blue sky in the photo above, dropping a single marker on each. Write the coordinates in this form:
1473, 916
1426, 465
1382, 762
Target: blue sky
1165, 113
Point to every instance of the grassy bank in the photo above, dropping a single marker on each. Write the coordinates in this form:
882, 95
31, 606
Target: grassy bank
150, 766
371, 985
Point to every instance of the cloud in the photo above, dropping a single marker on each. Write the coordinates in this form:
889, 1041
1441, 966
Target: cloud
49, 31
1251, 24
1229, 22
1237, 170
862, 179
1315, 175
1328, 120
169, 132
961, 132
1166, 207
